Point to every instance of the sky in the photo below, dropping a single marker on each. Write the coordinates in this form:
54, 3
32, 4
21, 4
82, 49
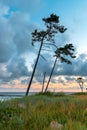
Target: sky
18, 19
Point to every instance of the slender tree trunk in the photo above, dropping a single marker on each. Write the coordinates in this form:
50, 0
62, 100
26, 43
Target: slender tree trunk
50, 76
28, 88
81, 86
43, 81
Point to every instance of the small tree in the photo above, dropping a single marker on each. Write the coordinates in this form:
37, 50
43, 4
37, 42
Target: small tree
80, 80
52, 28
61, 54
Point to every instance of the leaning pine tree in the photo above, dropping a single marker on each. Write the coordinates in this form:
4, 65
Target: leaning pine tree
52, 28
61, 54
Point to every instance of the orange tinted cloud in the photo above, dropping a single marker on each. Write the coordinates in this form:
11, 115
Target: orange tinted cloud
68, 86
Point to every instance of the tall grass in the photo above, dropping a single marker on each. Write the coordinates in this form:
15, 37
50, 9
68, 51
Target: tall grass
37, 111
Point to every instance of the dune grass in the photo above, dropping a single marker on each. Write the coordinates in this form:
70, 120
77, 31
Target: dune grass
37, 111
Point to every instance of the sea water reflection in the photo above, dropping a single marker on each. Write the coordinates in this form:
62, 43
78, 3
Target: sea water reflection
11, 95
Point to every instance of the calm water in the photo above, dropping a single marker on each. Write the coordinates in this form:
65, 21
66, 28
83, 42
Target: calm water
9, 95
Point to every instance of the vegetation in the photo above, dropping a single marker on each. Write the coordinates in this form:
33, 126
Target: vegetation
37, 111
45, 37
62, 53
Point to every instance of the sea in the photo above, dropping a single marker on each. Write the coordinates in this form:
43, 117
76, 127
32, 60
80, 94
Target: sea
11, 95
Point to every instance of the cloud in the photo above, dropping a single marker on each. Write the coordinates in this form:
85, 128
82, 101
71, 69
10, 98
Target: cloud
15, 43
78, 68
17, 68
6, 40
13, 70
15, 33
62, 39
3, 72
25, 6
22, 29
3, 9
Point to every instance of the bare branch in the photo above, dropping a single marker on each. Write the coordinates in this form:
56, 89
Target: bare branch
43, 58
45, 50
52, 44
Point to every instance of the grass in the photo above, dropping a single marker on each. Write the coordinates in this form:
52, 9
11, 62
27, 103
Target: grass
37, 111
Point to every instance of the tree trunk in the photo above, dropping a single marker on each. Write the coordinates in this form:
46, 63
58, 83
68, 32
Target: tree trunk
43, 81
81, 86
28, 88
50, 76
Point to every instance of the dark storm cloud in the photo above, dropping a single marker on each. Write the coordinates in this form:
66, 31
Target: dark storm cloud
22, 29
15, 34
6, 40
17, 68
15, 41
5, 52
77, 68
43, 66
70, 78
3, 72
